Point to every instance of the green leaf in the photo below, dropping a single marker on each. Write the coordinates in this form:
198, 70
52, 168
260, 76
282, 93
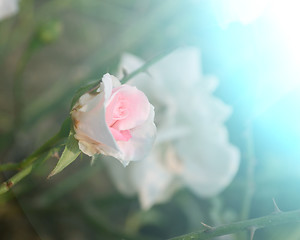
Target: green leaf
69, 154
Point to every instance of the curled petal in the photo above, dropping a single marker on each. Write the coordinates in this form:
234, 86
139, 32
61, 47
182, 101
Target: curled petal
141, 142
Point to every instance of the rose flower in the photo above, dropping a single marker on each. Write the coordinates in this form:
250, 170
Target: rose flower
117, 121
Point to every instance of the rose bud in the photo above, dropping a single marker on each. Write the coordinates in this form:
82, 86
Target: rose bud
117, 121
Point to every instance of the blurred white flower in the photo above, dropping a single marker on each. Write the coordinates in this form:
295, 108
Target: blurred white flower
192, 147
8, 8
243, 11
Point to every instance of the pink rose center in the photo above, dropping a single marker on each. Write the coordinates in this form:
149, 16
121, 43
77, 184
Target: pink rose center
127, 109
120, 110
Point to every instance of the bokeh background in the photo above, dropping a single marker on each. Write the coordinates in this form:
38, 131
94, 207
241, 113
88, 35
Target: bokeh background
51, 47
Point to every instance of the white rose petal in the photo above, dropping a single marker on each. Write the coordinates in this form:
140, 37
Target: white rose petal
8, 8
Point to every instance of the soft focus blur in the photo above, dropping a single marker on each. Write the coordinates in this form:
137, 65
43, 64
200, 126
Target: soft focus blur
49, 48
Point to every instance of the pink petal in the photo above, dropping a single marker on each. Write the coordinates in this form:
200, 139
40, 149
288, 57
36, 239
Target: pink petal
128, 108
123, 135
137, 147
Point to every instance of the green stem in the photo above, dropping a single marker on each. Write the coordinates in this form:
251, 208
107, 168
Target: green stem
146, 65
9, 166
5, 186
93, 85
256, 223
27, 164
51, 143
30, 159
249, 188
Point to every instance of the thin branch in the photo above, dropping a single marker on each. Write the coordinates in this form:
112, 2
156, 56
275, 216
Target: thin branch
51, 143
249, 188
9, 166
246, 225
144, 67
7, 185
26, 165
